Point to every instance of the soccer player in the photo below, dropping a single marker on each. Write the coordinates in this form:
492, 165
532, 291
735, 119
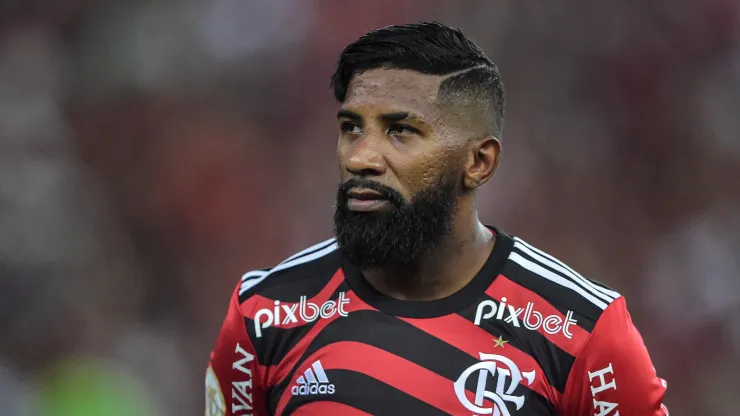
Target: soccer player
416, 307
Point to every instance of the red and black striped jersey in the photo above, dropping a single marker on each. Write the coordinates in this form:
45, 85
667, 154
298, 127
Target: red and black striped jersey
527, 336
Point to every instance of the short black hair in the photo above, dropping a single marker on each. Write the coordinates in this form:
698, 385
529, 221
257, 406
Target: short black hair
429, 48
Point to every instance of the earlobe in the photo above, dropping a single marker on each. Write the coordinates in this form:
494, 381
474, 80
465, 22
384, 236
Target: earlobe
471, 183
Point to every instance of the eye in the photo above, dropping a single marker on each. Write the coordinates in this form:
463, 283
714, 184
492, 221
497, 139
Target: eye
401, 130
349, 127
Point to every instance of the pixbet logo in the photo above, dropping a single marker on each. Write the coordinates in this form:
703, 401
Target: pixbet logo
307, 312
528, 316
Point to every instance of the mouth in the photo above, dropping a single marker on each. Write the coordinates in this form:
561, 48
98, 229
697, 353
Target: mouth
366, 200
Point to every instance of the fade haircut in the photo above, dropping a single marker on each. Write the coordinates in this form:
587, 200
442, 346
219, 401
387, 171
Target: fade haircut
429, 48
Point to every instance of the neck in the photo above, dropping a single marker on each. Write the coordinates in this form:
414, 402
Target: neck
452, 265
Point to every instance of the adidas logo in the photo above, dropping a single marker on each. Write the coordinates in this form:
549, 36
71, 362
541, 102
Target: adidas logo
313, 381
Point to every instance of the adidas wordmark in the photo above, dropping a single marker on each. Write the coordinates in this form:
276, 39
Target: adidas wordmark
313, 381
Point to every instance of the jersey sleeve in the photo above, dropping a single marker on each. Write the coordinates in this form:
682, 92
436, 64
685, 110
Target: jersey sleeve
613, 374
233, 386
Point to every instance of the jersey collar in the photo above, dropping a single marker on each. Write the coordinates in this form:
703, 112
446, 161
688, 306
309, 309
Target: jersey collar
456, 302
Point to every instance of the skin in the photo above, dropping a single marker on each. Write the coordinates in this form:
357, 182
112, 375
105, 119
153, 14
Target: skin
409, 155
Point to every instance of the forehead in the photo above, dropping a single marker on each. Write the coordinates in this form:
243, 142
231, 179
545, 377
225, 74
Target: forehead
394, 90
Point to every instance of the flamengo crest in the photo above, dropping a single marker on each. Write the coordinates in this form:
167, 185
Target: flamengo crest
506, 377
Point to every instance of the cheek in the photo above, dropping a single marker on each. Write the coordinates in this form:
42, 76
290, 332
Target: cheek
426, 170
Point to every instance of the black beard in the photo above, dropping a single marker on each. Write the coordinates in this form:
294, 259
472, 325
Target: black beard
399, 238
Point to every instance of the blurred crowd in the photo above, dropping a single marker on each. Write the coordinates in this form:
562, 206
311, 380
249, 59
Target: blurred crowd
153, 151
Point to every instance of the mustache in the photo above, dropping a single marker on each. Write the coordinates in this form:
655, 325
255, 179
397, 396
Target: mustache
386, 192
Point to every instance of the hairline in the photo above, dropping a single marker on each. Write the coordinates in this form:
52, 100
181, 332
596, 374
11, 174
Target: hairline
467, 99
448, 101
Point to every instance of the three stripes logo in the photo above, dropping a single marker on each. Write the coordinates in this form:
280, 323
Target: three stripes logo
313, 381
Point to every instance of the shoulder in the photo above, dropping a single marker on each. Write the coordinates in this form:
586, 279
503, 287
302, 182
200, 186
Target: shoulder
296, 276
557, 282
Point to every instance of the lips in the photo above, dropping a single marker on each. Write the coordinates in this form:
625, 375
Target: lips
362, 194
366, 200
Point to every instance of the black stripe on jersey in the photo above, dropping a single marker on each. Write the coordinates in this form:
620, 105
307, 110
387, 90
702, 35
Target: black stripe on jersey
584, 322
306, 279
555, 362
557, 295
276, 342
584, 283
394, 336
367, 394
564, 266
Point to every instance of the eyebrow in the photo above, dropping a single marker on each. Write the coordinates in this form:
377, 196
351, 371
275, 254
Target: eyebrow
387, 117
398, 116
350, 115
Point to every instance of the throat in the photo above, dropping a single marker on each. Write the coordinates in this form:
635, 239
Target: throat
439, 275
415, 287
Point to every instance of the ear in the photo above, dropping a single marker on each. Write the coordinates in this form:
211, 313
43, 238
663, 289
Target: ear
482, 158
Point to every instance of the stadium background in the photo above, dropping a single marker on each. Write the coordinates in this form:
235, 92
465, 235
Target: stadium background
151, 152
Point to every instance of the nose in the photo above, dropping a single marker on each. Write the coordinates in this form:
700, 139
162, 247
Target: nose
365, 157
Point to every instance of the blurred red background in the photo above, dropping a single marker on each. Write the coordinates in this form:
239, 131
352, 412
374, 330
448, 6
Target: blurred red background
152, 152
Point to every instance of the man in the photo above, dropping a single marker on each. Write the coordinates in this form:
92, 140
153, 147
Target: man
416, 308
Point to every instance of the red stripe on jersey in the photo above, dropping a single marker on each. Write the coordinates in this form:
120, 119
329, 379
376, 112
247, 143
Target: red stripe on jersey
276, 373
329, 408
404, 375
520, 297
468, 337
256, 302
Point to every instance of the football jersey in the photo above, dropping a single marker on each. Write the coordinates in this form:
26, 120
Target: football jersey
527, 335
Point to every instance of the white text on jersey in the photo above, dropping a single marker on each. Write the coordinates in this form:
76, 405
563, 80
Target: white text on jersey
530, 318
313, 382
241, 387
285, 314
599, 384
